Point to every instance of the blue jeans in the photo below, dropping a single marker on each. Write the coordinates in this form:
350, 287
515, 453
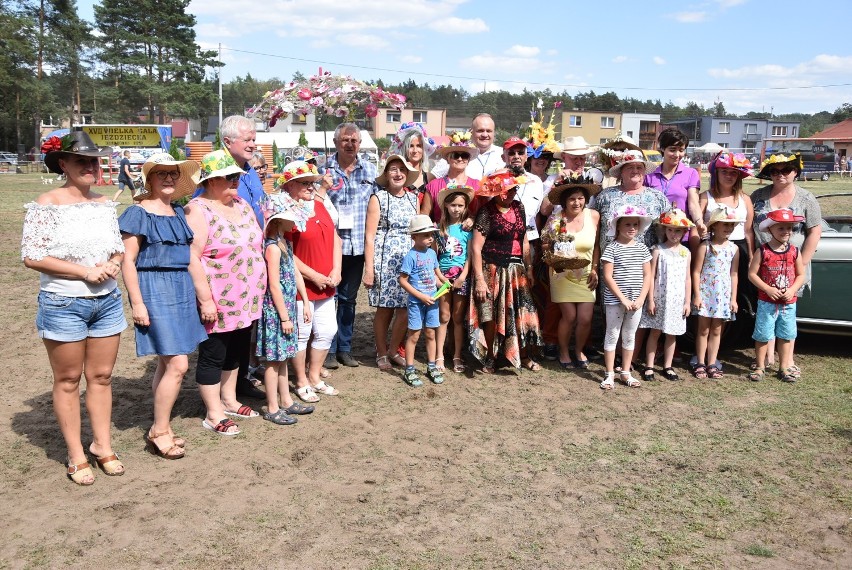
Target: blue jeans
352, 270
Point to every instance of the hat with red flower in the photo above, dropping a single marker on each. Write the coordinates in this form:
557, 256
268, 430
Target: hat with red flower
499, 183
297, 170
76, 142
675, 218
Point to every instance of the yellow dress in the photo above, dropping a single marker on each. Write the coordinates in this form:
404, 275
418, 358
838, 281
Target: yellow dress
572, 286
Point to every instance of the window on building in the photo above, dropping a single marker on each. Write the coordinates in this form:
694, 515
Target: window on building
630, 134
394, 117
576, 121
724, 127
607, 122
794, 131
419, 116
751, 128
299, 119
723, 145
603, 141
779, 131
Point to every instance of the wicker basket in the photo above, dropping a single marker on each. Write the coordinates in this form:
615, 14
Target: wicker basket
561, 263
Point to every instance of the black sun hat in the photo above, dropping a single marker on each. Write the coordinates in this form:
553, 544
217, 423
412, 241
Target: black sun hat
76, 142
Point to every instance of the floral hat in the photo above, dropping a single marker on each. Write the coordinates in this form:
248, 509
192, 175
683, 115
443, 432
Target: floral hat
627, 211
780, 216
631, 157
75, 142
541, 140
737, 162
675, 218
611, 151
410, 177
217, 164
297, 170
404, 131
283, 207
186, 183
584, 181
459, 142
499, 183
794, 160
724, 214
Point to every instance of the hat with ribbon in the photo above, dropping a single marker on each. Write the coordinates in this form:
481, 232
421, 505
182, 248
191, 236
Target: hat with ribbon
185, 184
75, 142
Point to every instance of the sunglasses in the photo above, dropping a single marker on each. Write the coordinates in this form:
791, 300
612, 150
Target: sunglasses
233, 176
163, 174
522, 152
460, 155
782, 171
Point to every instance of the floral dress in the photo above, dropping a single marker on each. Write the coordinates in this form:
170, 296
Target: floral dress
715, 282
392, 242
272, 344
669, 291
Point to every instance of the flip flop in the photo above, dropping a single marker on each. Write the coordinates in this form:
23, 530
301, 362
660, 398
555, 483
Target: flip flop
244, 412
222, 427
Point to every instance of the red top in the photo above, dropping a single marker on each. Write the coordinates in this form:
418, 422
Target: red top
315, 247
777, 269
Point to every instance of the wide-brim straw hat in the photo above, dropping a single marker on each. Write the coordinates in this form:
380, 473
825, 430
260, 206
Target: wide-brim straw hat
794, 160
632, 157
448, 191
186, 183
724, 214
575, 146
76, 142
466, 146
298, 170
628, 211
410, 176
584, 183
559, 262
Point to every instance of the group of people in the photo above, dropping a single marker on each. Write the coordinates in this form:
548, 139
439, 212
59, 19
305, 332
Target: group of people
485, 247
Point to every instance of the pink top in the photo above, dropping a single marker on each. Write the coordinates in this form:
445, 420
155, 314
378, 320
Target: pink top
439, 184
235, 268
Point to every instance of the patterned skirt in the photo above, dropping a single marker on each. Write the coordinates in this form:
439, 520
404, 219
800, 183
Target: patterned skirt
510, 305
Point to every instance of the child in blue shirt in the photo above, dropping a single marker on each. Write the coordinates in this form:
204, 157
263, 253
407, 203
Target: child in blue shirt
420, 275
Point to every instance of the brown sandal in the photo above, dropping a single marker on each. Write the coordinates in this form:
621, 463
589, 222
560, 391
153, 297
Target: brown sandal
110, 464
80, 472
174, 452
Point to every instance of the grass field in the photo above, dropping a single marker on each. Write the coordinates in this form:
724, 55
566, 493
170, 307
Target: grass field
512, 471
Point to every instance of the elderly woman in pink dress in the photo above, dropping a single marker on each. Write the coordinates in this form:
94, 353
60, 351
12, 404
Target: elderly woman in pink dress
227, 261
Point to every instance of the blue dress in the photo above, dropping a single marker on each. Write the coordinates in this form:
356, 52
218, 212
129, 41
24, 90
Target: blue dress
272, 344
167, 289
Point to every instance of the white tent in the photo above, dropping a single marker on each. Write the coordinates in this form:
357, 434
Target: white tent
318, 141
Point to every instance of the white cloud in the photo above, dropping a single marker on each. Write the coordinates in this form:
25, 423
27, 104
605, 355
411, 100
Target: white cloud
619, 59
552, 52
820, 65
320, 43
365, 41
410, 59
522, 51
506, 64
690, 17
455, 25
658, 60
215, 31
725, 4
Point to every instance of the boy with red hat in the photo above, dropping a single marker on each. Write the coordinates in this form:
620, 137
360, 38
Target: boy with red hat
777, 271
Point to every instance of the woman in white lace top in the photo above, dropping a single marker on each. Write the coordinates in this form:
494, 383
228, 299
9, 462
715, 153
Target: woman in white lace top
71, 237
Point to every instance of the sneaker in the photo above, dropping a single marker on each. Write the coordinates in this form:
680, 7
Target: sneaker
412, 378
346, 359
331, 361
435, 375
550, 352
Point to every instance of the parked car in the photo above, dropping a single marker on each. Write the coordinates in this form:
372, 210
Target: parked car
653, 156
8, 158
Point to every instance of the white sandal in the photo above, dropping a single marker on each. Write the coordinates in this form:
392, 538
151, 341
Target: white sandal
325, 389
307, 394
630, 381
608, 382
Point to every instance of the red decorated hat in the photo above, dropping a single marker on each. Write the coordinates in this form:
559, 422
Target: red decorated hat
780, 216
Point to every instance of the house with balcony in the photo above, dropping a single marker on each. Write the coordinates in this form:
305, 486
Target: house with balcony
741, 135
387, 122
642, 128
594, 126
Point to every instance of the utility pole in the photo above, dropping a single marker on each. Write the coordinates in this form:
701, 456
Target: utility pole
220, 85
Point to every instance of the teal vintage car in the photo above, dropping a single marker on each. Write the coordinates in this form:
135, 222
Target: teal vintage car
827, 308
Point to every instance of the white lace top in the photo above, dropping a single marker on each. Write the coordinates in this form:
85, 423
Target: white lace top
85, 233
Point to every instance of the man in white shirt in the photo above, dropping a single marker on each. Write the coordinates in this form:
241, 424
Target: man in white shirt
529, 194
490, 156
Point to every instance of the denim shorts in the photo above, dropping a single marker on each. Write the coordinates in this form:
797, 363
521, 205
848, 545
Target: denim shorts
418, 312
71, 319
774, 321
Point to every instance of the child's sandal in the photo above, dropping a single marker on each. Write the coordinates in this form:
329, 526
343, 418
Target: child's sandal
608, 383
629, 380
458, 365
700, 371
757, 374
670, 374
714, 373
648, 373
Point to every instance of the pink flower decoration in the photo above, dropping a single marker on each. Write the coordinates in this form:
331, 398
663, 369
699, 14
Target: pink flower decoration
316, 102
341, 112
304, 94
371, 110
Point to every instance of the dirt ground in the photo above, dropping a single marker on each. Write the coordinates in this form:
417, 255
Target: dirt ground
518, 470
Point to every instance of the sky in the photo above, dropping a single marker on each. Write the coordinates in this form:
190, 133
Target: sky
752, 55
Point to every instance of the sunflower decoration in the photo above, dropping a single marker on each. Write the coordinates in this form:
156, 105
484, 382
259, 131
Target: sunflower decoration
542, 139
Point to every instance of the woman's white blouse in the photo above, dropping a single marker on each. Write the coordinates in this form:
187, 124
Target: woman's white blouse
85, 233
